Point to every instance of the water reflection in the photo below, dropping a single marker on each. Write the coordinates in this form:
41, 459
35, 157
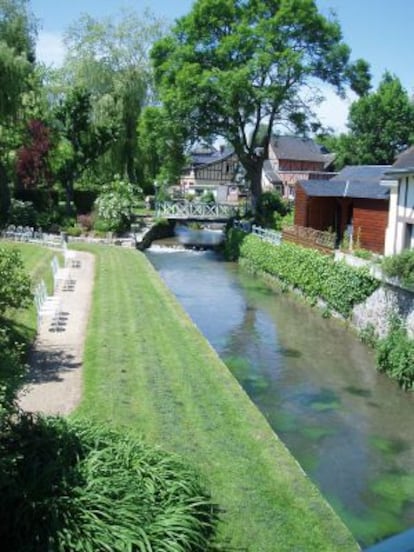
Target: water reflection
348, 426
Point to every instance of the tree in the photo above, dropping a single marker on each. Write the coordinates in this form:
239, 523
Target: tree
17, 35
81, 141
160, 147
33, 168
381, 125
109, 57
230, 67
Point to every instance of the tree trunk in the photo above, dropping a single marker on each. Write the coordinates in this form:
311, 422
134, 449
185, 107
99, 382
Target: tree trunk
254, 176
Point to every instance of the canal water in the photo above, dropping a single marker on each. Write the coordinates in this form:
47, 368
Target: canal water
351, 428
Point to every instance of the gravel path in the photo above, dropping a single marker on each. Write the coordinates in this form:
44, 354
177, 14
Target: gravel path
55, 376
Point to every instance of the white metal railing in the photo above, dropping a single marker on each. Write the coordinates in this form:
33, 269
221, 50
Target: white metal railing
192, 209
271, 236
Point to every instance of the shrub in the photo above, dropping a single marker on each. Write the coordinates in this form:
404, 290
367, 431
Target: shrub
74, 231
400, 266
270, 210
14, 281
116, 204
22, 213
71, 485
234, 240
316, 275
395, 355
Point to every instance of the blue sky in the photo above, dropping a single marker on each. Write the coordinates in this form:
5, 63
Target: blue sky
380, 31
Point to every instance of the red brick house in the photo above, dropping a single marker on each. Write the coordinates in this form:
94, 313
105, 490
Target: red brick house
353, 202
293, 158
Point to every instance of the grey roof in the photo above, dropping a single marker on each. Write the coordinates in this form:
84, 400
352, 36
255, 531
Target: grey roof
209, 157
298, 148
362, 173
404, 162
344, 188
270, 172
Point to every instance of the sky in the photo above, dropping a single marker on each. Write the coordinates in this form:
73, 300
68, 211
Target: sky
380, 31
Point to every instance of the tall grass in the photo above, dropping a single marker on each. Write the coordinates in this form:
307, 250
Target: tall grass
74, 486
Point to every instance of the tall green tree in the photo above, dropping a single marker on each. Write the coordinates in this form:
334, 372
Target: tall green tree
161, 146
231, 66
81, 141
381, 125
110, 58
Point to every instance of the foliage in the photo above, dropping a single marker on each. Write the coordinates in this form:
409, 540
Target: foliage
270, 208
33, 168
368, 335
230, 68
395, 355
12, 371
400, 266
14, 282
318, 276
233, 242
116, 204
109, 57
381, 125
70, 485
22, 213
160, 147
82, 141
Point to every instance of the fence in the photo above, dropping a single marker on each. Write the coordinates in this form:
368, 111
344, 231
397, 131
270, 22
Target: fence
271, 236
308, 237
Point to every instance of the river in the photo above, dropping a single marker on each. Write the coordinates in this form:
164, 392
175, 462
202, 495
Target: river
351, 428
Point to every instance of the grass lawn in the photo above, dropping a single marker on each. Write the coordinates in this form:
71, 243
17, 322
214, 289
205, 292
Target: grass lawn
148, 369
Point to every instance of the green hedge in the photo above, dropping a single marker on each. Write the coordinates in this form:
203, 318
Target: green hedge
315, 274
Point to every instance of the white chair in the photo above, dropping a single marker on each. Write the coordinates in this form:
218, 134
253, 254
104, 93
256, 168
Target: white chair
70, 255
46, 305
59, 274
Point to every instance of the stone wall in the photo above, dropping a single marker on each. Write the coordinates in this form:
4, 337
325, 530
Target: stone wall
377, 310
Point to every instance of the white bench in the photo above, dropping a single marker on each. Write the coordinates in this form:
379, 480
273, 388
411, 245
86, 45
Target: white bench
46, 305
60, 274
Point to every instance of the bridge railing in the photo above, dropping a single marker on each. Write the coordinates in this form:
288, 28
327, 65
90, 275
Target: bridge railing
193, 209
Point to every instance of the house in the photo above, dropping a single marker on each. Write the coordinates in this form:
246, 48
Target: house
293, 158
399, 180
353, 203
211, 170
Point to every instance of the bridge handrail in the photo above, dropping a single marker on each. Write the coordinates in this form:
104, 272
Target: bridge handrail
188, 209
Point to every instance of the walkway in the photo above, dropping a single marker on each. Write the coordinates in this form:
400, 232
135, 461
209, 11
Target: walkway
55, 379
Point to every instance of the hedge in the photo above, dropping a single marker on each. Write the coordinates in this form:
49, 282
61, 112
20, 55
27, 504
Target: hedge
317, 275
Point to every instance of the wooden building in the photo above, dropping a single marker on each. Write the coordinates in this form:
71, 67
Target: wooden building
353, 204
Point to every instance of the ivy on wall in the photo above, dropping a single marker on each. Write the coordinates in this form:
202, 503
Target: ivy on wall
317, 275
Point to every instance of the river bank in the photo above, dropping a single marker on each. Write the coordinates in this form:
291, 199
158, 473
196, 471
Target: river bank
147, 368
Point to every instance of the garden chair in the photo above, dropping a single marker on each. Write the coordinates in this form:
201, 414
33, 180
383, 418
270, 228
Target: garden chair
60, 275
70, 255
46, 305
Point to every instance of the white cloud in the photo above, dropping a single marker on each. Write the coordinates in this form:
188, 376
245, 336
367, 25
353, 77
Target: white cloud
50, 48
333, 111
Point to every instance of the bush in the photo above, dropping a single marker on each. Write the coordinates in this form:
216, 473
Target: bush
71, 485
14, 281
395, 355
400, 266
270, 210
22, 213
116, 204
74, 231
316, 275
234, 240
